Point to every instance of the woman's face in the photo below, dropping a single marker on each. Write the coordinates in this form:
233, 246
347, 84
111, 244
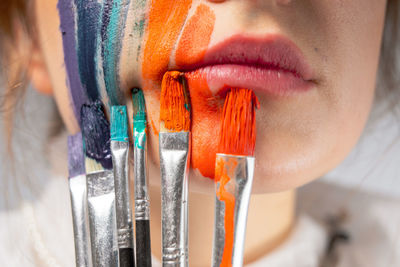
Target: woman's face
311, 63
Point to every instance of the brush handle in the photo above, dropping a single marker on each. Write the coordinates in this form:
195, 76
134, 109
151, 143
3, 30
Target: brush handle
174, 164
80, 220
126, 257
143, 244
102, 222
142, 203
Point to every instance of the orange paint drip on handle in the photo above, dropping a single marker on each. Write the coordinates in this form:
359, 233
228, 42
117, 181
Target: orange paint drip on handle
228, 198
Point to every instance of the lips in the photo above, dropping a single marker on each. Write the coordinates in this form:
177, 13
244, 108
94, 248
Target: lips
272, 64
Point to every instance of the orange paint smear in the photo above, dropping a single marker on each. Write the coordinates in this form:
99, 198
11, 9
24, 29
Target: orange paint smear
166, 19
238, 125
153, 126
195, 37
228, 198
206, 116
174, 102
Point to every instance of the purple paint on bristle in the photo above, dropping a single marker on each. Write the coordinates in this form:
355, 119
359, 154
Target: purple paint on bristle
67, 27
76, 158
96, 132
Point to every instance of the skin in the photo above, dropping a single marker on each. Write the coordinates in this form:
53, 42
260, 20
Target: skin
297, 136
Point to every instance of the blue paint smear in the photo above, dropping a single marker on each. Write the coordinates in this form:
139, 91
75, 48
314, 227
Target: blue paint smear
96, 37
114, 16
88, 30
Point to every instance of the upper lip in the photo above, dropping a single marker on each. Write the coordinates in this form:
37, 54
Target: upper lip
272, 52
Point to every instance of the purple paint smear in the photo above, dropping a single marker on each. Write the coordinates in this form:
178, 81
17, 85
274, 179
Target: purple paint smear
67, 27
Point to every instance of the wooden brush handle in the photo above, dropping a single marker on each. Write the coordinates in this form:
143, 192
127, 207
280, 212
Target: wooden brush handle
143, 245
126, 257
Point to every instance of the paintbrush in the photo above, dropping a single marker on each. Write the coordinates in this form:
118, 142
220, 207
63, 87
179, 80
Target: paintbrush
77, 189
234, 171
174, 145
100, 185
142, 204
120, 157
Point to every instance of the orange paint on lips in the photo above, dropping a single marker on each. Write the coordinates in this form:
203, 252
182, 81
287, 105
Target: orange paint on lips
206, 115
195, 37
166, 19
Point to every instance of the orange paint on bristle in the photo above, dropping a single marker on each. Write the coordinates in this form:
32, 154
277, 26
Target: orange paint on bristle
174, 102
238, 124
195, 37
166, 19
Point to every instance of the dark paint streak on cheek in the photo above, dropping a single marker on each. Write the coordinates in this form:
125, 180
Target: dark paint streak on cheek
114, 18
107, 8
89, 13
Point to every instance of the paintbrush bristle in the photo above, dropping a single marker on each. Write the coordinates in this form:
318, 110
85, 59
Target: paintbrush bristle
119, 124
139, 106
238, 123
96, 133
174, 103
76, 159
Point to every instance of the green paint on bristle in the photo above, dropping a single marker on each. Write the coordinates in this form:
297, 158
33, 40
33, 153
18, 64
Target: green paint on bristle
119, 124
139, 118
139, 107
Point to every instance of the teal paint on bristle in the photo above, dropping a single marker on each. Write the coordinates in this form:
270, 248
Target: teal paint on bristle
139, 106
119, 124
139, 118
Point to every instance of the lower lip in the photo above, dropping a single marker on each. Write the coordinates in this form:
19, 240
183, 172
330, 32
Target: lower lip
276, 82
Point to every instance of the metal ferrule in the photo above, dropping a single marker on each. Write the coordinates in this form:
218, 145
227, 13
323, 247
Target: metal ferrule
174, 163
102, 220
80, 220
120, 157
142, 200
241, 171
